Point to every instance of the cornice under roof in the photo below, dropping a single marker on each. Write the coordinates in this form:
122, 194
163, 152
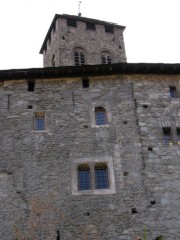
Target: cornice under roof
91, 70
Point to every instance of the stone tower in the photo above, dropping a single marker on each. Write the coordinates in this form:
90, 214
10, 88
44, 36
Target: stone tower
74, 40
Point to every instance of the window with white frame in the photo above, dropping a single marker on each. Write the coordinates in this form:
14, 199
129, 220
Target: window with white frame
93, 177
100, 114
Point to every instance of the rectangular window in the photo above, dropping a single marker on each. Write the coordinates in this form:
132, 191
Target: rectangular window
172, 91
167, 136
95, 176
100, 116
84, 178
90, 26
109, 29
71, 23
39, 121
85, 82
31, 85
101, 175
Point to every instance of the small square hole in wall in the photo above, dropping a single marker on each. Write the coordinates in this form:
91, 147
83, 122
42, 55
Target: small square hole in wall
125, 121
145, 106
150, 149
159, 238
30, 107
153, 202
126, 173
133, 210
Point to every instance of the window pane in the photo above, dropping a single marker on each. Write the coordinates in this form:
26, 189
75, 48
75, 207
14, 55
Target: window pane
108, 59
39, 123
84, 178
101, 174
100, 115
82, 57
103, 59
76, 58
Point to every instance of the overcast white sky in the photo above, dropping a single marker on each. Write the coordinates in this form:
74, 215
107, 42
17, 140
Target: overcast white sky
152, 31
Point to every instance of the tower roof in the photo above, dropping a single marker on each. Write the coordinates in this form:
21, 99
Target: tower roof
77, 18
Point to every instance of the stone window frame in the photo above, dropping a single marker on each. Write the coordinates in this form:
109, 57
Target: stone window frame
170, 133
36, 114
106, 56
92, 162
93, 116
81, 52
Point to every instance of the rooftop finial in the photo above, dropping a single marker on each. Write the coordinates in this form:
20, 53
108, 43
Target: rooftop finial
79, 13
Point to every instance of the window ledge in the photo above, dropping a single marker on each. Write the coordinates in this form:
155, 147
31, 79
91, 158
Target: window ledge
104, 125
94, 192
40, 131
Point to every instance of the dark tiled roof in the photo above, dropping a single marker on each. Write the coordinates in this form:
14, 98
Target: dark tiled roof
77, 18
91, 70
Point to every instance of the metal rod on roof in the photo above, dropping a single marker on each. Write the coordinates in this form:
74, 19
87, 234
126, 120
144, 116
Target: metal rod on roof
79, 13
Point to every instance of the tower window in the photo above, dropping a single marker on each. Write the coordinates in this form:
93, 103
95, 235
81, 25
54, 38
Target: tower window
100, 116
90, 26
106, 59
39, 121
101, 177
109, 29
79, 58
31, 85
84, 177
71, 23
172, 91
167, 135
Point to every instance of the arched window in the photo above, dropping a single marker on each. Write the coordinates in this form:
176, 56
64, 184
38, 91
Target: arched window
84, 177
101, 176
100, 116
79, 57
106, 58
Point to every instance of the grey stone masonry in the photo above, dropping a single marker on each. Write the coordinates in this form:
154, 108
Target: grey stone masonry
39, 191
62, 40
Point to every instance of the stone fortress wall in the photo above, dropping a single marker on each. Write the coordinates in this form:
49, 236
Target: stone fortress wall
143, 169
